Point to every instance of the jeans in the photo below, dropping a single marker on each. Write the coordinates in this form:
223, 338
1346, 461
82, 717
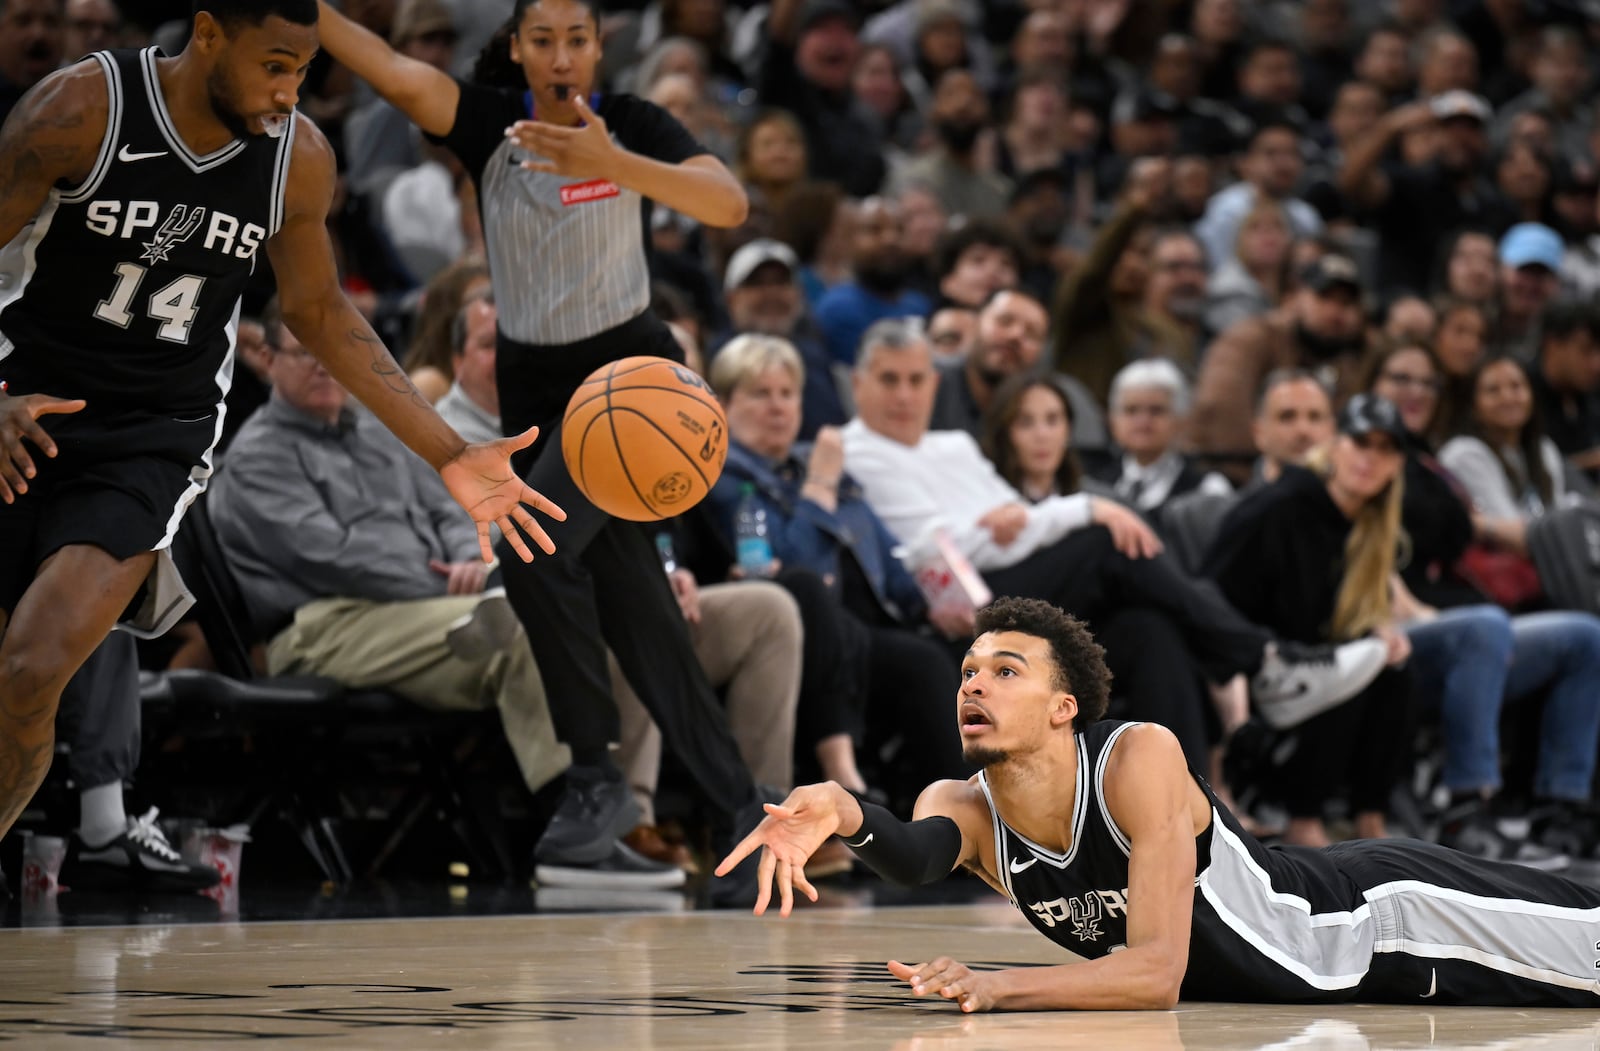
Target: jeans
1475, 657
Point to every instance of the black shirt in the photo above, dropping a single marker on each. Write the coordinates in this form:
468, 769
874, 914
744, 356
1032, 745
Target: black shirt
1279, 556
567, 256
1423, 208
1572, 421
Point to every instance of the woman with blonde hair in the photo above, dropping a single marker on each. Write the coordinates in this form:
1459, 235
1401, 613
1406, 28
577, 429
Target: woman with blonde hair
1310, 557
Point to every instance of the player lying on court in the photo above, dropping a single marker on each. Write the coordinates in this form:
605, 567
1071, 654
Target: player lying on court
135, 193
1102, 838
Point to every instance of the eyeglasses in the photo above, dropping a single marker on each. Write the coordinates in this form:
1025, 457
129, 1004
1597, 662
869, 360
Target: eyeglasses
1405, 379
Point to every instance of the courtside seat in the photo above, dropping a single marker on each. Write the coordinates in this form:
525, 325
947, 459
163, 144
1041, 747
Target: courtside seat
316, 736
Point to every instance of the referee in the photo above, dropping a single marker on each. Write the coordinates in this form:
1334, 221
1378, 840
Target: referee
565, 181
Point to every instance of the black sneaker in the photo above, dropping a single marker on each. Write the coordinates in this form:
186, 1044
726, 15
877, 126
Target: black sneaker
1296, 682
1471, 829
138, 859
622, 869
596, 810
1572, 829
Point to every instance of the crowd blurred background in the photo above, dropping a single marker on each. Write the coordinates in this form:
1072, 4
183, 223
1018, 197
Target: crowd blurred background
1149, 251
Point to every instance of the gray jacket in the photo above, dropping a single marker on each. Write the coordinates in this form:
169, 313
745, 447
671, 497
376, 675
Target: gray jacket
307, 511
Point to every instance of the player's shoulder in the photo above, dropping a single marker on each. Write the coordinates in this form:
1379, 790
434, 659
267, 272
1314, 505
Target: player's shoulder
961, 801
70, 104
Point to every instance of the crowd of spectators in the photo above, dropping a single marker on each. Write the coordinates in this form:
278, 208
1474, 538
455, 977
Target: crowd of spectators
1288, 305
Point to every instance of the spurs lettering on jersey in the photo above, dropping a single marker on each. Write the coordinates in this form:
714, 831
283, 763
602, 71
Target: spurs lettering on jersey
224, 233
1085, 912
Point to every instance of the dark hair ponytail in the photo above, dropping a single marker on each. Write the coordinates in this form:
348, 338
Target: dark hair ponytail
494, 67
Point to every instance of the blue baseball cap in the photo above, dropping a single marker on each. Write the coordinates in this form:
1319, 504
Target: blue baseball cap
1529, 244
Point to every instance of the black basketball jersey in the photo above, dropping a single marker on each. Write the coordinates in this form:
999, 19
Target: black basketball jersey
1270, 924
124, 290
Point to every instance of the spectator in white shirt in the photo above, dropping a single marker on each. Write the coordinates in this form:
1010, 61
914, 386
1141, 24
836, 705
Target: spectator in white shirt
921, 482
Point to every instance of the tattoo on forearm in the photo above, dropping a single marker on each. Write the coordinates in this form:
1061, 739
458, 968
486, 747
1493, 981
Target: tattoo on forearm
385, 368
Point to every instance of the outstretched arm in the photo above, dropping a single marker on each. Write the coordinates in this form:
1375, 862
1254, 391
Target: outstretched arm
1148, 791
317, 312
923, 851
418, 90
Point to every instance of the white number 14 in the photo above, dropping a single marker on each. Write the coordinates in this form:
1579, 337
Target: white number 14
173, 306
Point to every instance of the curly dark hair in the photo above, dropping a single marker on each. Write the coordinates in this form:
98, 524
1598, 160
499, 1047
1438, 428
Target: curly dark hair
1080, 662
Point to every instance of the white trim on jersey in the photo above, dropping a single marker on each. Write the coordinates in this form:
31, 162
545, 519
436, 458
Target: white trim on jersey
169, 130
1080, 810
280, 176
200, 474
1540, 942
1331, 950
1001, 852
1118, 836
108, 144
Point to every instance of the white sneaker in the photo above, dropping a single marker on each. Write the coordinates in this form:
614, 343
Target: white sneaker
1297, 681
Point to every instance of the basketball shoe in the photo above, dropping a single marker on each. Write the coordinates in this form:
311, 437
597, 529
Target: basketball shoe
623, 869
1470, 827
1296, 681
596, 811
138, 858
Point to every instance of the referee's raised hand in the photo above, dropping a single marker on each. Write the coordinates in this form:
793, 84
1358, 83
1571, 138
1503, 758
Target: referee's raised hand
19, 419
583, 152
482, 481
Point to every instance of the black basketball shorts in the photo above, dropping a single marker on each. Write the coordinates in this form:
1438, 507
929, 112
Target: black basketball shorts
120, 481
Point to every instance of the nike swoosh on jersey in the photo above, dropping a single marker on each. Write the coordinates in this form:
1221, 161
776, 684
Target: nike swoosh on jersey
863, 843
1026, 865
125, 155
1433, 984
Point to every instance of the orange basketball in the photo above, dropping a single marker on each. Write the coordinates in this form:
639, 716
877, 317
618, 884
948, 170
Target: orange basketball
644, 438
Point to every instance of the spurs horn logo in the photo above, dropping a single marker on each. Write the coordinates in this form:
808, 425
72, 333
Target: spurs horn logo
181, 224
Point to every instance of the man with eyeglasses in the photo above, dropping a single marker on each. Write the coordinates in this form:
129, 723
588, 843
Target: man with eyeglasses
1176, 289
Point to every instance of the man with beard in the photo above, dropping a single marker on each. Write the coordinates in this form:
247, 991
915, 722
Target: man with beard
959, 113
1319, 328
1415, 207
135, 193
764, 297
31, 37
1175, 292
1010, 340
1039, 210
879, 289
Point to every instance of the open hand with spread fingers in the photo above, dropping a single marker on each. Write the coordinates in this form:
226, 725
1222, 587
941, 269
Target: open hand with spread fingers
482, 481
787, 837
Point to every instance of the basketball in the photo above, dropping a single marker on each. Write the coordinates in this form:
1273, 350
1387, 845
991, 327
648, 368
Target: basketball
644, 438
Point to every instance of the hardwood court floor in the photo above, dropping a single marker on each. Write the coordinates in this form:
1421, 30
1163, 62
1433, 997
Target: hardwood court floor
634, 982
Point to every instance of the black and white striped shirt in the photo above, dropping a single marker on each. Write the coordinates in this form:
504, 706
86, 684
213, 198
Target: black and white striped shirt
566, 256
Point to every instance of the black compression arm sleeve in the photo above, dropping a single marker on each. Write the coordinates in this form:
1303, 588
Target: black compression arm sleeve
908, 854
